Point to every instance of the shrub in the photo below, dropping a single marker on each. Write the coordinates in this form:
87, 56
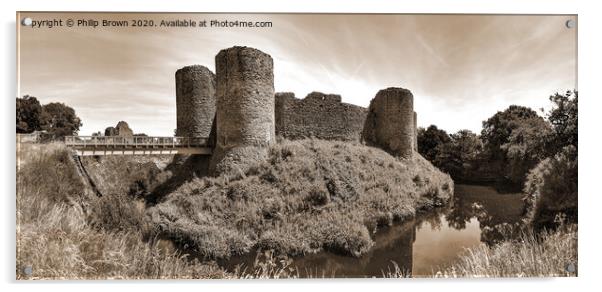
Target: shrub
551, 189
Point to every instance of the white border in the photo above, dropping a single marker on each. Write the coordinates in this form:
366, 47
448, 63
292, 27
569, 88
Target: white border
589, 87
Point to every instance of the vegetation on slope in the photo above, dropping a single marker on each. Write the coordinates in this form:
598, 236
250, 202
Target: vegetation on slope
65, 232
307, 196
551, 190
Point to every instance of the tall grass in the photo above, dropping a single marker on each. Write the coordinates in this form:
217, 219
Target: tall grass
546, 254
65, 232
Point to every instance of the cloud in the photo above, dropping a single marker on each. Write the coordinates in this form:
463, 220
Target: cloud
461, 68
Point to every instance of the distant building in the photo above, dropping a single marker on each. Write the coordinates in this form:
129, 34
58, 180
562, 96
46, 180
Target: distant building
122, 129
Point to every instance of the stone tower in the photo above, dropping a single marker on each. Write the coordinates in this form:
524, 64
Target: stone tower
390, 122
195, 101
245, 107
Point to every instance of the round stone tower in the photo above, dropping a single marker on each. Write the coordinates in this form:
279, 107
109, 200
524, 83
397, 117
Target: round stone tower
195, 101
390, 122
245, 107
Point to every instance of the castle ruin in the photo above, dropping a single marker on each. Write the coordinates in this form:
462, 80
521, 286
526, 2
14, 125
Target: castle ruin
237, 105
390, 122
245, 106
318, 115
122, 129
195, 101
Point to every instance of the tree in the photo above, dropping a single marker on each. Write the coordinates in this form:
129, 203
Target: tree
457, 156
497, 129
28, 114
526, 146
59, 120
563, 118
514, 138
429, 140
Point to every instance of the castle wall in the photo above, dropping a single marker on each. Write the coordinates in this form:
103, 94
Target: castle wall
318, 115
244, 106
195, 101
390, 122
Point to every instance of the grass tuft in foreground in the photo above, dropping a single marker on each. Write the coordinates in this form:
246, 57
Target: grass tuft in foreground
547, 254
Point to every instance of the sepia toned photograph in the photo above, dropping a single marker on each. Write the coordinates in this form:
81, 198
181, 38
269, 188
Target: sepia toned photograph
295, 146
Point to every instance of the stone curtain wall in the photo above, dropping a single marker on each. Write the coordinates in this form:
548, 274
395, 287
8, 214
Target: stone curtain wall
318, 115
195, 101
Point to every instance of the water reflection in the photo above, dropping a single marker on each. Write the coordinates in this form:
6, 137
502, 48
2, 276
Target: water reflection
420, 246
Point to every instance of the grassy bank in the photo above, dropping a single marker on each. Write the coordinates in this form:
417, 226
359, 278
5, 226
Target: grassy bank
65, 232
545, 255
308, 196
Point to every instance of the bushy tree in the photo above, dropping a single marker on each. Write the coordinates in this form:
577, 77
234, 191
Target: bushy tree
525, 147
59, 120
457, 155
563, 118
429, 139
515, 137
28, 114
551, 187
497, 129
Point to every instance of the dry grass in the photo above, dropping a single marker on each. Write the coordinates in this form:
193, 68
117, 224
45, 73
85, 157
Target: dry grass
544, 255
65, 232
308, 196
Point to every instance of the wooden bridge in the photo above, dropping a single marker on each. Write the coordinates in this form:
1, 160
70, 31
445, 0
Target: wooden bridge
137, 145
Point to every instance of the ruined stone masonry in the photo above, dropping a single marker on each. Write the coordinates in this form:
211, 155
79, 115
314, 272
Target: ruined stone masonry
238, 109
318, 115
390, 122
195, 101
245, 120
122, 129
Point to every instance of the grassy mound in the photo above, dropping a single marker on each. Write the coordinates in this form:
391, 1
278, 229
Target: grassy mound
307, 196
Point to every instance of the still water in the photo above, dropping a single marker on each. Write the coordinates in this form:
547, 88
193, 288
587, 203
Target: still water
427, 243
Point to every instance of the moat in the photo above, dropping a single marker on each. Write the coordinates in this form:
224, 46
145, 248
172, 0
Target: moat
421, 246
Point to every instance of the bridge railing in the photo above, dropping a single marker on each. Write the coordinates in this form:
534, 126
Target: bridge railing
135, 141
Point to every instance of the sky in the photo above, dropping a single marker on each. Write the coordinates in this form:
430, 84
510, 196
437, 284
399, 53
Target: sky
461, 69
